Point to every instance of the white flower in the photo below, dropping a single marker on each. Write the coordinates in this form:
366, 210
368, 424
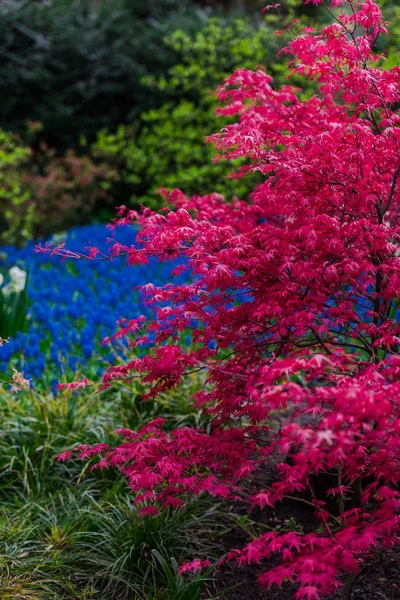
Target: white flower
18, 279
1, 279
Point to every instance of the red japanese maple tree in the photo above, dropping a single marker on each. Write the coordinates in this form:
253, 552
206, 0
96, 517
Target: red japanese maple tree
292, 312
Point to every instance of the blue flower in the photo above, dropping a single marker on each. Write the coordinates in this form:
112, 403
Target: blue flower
74, 305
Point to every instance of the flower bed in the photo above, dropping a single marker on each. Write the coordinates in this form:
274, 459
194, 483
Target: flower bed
74, 305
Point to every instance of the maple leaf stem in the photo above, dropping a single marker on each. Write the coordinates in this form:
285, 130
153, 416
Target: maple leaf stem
391, 193
351, 580
340, 498
304, 501
321, 342
357, 492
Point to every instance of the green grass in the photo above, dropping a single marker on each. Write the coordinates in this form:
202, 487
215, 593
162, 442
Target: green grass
76, 545
67, 532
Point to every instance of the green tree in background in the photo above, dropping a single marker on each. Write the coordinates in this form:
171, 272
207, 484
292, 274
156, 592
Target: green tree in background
169, 150
77, 65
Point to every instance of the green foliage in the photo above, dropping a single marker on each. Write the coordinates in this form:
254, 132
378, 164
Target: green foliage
391, 11
17, 216
69, 532
84, 65
65, 547
14, 302
77, 65
169, 150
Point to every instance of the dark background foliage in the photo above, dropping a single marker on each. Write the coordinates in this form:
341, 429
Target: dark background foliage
76, 65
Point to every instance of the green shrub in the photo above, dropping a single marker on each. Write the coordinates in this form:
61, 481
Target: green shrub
169, 148
17, 214
391, 10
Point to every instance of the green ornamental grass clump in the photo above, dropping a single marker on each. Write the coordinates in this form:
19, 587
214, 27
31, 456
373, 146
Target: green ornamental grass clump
80, 536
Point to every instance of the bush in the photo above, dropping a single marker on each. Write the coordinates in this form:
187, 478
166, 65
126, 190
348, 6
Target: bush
390, 44
66, 190
17, 209
169, 149
42, 192
293, 314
